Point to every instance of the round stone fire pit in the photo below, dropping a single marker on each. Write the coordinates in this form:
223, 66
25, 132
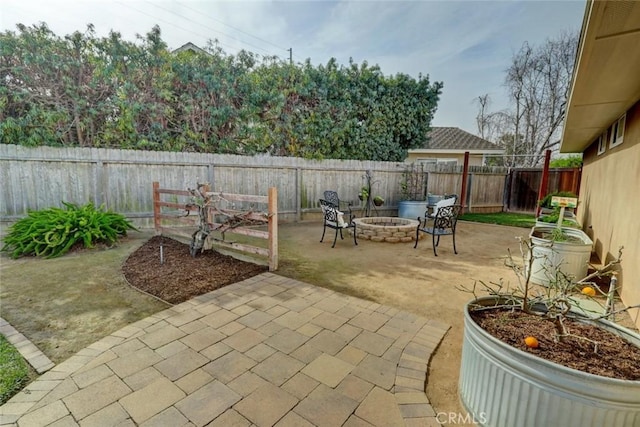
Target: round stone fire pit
386, 229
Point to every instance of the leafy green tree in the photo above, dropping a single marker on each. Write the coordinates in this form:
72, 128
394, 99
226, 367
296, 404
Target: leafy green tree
574, 161
82, 90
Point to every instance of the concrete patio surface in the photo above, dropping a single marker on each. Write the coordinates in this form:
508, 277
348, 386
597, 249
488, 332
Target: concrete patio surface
266, 351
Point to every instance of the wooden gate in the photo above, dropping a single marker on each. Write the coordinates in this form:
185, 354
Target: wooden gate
521, 190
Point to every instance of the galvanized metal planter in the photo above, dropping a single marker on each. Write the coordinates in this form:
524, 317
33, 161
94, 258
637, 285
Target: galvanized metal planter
568, 257
411, 209
573, 224
502, 386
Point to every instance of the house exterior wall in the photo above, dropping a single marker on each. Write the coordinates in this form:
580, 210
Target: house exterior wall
474, 160
609, 206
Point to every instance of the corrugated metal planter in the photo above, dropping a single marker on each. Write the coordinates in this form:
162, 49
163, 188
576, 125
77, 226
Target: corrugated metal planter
434, 198
502, 386
566, 223
570, 222
411, 209
569, 257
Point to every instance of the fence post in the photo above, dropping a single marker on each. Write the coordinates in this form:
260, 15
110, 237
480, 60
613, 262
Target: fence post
273, 228
211, 175
577, 176
298, 195
208, 214
465, 172
543, 182
156, 207
99, 188
506, 193
469, 191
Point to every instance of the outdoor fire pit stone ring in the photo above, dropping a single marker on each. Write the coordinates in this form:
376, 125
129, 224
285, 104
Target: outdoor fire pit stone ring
387, 229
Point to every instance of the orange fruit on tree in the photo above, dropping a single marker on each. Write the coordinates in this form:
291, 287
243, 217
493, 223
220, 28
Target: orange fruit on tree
531, 342
588, 290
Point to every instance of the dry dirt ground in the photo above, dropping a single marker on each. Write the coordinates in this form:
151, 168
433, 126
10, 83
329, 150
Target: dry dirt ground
393, 274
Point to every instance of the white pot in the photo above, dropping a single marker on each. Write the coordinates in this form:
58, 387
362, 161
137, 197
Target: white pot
568, 257
502, 386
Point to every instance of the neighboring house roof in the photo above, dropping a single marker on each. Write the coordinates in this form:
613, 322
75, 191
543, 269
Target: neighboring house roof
190, 47
605, 80
455, 140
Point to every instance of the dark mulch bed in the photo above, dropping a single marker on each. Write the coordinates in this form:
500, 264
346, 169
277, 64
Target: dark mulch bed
615, 357
181, 276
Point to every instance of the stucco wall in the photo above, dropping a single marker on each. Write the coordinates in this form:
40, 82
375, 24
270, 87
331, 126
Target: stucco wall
610, 206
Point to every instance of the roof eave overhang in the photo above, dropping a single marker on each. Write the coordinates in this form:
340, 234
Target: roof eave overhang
605, 82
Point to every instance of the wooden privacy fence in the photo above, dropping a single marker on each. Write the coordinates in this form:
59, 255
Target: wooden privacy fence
485, 185
120, 179
42, 177
173, 211
523, 185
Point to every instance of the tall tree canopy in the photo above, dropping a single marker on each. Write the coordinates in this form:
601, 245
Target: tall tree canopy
538, 82
84, 90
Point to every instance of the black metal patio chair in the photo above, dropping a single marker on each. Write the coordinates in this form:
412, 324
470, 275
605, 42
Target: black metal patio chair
334, 219
448, 200
444, 224
331, 196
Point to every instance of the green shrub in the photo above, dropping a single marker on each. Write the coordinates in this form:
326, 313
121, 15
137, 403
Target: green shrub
558, 235
553, 219
546, 202
574, 161
52, 232
14, 372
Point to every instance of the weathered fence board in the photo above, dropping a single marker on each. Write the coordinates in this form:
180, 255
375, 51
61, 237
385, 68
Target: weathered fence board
486, 192
523, 185
42, 177
270, 219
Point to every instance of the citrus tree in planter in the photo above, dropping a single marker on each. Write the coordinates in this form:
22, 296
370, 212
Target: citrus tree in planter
530, 358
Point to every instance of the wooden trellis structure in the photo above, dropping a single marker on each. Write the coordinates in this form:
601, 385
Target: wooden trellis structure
229, 220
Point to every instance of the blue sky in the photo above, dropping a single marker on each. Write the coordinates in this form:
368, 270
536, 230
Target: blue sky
465, 44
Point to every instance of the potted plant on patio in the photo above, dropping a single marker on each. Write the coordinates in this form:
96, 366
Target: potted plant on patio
564, 249
530, 357
552, 217
413, 186
558, 246
546, 206
363, 194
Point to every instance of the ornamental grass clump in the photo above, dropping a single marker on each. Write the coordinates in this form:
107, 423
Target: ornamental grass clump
53, 232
